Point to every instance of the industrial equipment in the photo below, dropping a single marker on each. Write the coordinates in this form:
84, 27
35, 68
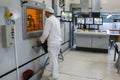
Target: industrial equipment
33, 19
7, 27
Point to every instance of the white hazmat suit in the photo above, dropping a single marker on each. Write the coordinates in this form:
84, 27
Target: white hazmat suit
52, 33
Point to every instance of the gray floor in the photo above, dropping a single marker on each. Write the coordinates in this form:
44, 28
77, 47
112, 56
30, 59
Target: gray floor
81, 65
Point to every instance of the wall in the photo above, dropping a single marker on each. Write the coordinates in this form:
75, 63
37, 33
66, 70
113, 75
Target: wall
115, 27
110, 5
106, 5
106, 26
23, 48
110, 26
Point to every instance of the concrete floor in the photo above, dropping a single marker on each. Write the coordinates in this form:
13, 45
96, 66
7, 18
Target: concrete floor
81, 65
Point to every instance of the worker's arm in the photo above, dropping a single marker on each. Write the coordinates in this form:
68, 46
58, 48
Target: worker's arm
46, 31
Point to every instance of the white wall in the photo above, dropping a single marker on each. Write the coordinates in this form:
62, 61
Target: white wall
106, 26
23, 48
110, 26
110, 5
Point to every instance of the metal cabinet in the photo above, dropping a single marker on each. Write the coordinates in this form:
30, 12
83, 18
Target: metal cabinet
100, 41
83, 41
92, 41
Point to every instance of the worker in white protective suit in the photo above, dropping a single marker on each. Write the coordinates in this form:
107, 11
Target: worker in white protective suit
52, 33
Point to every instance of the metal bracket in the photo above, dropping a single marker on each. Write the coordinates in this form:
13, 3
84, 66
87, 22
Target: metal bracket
23, 2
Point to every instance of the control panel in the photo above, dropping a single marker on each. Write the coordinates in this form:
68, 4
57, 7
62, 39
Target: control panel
7, 35
6, 27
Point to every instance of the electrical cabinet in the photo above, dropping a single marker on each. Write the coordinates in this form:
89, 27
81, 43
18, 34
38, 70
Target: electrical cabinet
7, 35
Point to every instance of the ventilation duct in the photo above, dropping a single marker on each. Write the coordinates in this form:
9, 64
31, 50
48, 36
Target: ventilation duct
95, 5
84, 8
95, 8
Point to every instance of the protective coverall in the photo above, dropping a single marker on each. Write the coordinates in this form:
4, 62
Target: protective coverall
52, 33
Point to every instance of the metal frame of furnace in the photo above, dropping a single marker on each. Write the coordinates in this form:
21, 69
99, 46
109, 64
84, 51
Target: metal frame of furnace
34, 5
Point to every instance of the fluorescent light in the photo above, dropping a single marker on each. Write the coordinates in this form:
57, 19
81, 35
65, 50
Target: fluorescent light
109, 16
